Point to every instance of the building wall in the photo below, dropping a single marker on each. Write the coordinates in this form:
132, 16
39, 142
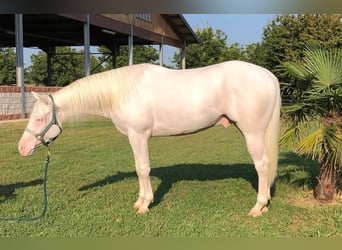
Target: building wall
157, 25
10, 100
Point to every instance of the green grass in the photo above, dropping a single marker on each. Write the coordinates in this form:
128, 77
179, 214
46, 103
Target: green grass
204, 185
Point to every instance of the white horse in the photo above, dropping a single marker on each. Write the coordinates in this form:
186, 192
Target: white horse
147, 100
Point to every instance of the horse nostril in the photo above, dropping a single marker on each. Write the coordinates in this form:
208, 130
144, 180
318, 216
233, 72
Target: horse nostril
20, 147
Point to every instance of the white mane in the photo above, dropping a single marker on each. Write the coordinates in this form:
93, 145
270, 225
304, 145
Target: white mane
100, 93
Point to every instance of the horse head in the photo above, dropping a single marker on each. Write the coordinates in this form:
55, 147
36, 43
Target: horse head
43, 126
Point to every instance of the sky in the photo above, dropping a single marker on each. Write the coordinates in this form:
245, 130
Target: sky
240, 28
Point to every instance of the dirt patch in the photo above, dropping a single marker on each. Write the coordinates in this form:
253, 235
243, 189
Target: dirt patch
306, 200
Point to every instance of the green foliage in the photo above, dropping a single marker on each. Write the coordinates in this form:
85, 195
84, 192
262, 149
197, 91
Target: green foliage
317, 96
284, 39
38, 70
141, 54
7, 66
211, 49
67, 66
254, 53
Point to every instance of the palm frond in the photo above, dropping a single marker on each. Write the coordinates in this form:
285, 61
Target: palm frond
289, 137
310, 144
297, 70
332, 146
325, 65
323, 145
294, 108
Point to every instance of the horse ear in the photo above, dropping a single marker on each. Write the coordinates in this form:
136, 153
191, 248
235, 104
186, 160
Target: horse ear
41, 97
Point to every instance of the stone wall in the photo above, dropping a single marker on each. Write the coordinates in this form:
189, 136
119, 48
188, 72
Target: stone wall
10, 100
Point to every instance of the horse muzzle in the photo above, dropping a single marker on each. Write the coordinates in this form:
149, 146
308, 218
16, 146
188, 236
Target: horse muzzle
25, 148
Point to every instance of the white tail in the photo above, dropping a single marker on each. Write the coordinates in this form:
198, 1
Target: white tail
272, 140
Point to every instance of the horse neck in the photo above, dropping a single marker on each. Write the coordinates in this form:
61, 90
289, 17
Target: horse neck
87, 96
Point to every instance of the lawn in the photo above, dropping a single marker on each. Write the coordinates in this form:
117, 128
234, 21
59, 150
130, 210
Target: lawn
204, 185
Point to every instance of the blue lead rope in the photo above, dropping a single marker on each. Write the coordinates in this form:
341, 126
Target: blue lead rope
45, 200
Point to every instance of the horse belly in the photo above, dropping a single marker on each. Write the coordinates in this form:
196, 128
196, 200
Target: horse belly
179, 128
182, 121
184, 108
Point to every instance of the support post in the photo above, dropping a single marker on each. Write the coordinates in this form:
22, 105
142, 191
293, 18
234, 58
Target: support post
113, 60
19, 45
184, 56
115, 52
86, 31
183, 62
161, 54
130, 41
49, 66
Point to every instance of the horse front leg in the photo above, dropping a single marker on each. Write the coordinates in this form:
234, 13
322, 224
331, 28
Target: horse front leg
139, 144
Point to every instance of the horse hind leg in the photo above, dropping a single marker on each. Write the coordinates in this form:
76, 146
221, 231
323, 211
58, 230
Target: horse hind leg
256, 147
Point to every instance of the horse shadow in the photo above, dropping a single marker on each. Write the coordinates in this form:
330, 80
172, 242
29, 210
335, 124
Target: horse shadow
8, 191
303, 173
297, 170
170, 175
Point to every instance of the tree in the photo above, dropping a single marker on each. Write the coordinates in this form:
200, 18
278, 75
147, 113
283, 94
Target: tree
211, 49
254, 53
313, 113
235, 52
141, 54
285, 37
67, 66
7, 66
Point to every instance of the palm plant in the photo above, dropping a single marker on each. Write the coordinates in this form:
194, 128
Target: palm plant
313, 114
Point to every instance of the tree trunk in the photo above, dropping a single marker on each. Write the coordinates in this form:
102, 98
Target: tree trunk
328, 182
328, 178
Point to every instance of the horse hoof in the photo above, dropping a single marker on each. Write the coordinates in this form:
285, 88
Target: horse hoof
136, 206
142, 210
264, 210
255, 213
